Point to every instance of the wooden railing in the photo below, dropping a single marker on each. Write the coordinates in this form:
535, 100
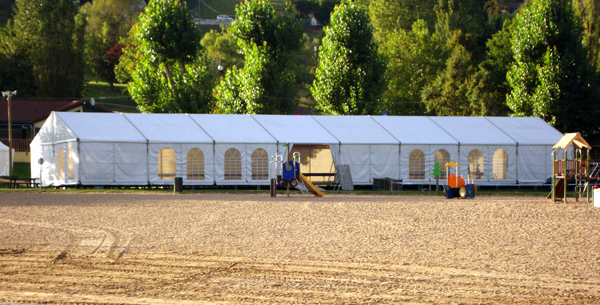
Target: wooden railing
570, 167
19, 145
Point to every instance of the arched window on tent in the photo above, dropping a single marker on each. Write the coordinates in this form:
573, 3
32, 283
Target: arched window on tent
71, 164
60, 165
167, 164
500, 165
195, 164
233, 164
476, 164
416, 165
260, 164
442, 156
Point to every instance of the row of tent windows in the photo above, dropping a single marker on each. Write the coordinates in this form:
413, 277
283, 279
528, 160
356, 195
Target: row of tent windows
167, 161
416, 164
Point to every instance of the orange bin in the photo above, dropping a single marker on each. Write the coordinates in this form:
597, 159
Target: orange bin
455, 182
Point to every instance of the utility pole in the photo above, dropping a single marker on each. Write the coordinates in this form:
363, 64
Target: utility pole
9, 94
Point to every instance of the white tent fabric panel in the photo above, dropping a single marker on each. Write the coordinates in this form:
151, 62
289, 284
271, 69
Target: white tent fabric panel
356, 130
181, 152
358, 158
131, 167
535, 163
245, 160
297, 129
36, 153
527, 130
4, 160
488, 157
232, 128
368, 161
385, 161
473, 131
61, 132
168, 128
428, 161
100, 127
414, 130
49, 166
96, 163
68, 174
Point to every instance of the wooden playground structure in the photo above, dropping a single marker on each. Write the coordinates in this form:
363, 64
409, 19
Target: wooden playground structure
571, 163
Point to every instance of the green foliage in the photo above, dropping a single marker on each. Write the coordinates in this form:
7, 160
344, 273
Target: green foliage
16, 71
48, 38
107, 22
130, 58
450, 93
168, 38
321, 9
221, 48
588, 13
436, 170
266, 83
552, 77
414, 59
349, 79
389, 16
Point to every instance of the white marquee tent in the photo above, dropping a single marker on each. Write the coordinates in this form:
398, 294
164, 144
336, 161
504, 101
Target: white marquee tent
207, 149
4, 160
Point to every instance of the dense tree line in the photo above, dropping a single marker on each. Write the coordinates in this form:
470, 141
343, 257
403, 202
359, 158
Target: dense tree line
405, 57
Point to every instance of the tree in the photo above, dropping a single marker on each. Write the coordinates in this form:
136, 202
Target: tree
321, 9
389, 16
349, 78
170, 77
50, 33
552, 77
414, 60
107, 22
221, 49
266, 83
16, 72
588, 12
450, 93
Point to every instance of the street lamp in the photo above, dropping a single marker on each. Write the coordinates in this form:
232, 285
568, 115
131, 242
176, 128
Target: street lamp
9, 94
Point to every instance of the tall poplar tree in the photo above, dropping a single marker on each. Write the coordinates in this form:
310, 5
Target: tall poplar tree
349, 79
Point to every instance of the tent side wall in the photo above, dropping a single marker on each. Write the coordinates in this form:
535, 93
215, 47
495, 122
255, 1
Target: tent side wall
368, 161
416, 170
234, 163
488, 174
535, 163
193, 162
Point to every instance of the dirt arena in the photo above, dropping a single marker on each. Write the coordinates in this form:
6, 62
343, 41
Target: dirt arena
59, 248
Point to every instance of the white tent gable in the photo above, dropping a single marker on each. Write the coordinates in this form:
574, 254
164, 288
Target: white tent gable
527, 130
231, 128
473, 131
297, 129
415, 130
356, 130
4, 160
168, 128
101, 127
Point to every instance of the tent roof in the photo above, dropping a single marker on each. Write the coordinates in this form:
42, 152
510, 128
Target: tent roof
527, 130
297, 129
574, 139
232, 128
415, 130
168, 128
3, 147
356, 130
473, 131
100, 127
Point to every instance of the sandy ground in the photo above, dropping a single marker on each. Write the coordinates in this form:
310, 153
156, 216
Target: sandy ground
235, 249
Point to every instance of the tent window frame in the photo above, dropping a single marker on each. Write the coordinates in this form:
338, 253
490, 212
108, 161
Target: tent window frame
416, 165
442, 156
260, 164
167, 164
195, 164
500, 165
233, 164
476, 164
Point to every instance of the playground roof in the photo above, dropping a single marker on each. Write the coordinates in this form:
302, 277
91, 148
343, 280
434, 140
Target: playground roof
574, 139
160, 128
356, 129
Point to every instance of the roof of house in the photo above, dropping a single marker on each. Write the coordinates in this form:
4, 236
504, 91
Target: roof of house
30, 111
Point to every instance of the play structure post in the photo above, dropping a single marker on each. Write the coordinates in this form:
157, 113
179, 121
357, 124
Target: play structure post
553, 176
577, 165
565, 169
587, 173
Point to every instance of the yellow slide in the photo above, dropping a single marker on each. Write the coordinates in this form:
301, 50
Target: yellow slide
311, 187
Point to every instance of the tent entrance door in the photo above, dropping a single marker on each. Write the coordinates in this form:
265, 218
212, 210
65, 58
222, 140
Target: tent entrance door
316, 162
